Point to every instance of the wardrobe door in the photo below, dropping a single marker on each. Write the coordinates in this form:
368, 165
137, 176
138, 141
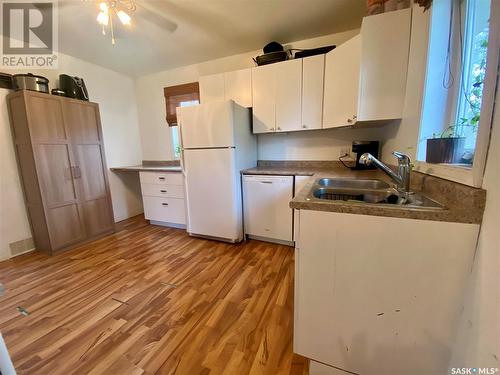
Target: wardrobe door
59, 194
82, 121
55, 170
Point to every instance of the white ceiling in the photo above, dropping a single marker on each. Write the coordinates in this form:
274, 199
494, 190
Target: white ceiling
206, 29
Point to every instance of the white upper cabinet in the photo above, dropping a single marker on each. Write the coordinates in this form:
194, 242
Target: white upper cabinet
238, 86
365, 78
341, 93
313, 69
384, 56
263, 96
288, 95
211, 88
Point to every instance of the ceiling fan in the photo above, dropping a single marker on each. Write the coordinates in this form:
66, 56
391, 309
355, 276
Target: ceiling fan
125, 11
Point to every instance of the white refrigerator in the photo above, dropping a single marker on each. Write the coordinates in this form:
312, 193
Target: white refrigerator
217, 142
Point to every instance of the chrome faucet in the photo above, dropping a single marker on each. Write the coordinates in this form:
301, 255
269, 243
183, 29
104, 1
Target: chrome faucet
402, 178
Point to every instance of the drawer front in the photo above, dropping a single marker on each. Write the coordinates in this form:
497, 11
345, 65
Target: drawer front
169, 210
157, 190
170, 178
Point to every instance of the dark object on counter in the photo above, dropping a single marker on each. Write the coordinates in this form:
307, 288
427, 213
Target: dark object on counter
58, 92
362, 147
30, 82
445, 150
273, 47
74, 87
314, 51
6, 81
272, 57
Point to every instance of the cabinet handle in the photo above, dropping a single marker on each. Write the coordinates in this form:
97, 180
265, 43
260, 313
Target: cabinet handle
76, 172
161, 178
266, 182
164, 204
163, 191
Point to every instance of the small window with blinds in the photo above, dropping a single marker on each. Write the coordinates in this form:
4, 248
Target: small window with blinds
180, 96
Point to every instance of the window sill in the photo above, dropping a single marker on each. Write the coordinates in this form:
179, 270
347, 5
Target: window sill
460, 173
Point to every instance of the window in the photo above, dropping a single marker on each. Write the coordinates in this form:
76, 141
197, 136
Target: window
179, 96
456, 70
175, 95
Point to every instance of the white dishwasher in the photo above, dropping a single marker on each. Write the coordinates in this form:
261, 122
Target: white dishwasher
267, 213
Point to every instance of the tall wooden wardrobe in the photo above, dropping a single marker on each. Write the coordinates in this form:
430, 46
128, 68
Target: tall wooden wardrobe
60, 155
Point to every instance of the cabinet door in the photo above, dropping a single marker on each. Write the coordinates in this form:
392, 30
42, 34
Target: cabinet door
212, 88
45, 119
263, 98
83, 123
384, 65
59, 192
342, 67
313, 74
289, 95
361, 286
266, 205
238, 87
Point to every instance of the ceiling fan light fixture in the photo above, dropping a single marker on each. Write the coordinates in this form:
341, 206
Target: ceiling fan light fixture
103, 7
124, 17
103, 18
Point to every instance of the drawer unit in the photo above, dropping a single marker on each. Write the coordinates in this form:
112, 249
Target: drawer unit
167, 210
170, 178
168, 191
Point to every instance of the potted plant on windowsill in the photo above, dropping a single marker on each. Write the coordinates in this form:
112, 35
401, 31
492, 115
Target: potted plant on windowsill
447, 147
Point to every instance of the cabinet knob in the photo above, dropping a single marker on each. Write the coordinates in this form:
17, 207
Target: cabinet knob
272, 129
354, 117
349, 120
279, 128
304, 126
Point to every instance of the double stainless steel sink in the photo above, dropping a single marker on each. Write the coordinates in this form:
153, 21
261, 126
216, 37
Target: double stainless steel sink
368, 191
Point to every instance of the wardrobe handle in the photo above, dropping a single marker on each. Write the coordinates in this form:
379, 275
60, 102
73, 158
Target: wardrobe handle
76, 172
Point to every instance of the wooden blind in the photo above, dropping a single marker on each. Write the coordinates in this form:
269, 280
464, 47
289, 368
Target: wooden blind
174, 95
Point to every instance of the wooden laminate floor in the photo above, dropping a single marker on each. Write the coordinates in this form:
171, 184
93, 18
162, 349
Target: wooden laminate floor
151, 300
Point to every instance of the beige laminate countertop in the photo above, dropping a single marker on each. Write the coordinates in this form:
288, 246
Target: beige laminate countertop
147, 168
463, 204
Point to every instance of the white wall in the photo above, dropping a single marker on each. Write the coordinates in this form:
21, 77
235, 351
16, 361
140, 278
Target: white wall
115, 94
478, 340
155, 134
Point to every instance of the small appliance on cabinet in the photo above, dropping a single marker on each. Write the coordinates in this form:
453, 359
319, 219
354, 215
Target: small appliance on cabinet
217, 142
74, 87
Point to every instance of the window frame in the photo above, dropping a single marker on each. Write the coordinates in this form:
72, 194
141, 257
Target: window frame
473, 175
191, 91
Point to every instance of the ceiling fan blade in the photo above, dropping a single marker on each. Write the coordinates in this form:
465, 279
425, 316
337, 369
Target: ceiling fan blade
151, 14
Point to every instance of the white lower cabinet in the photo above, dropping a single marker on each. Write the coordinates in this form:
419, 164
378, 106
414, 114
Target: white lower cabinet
163, 198
379, 295
266, 206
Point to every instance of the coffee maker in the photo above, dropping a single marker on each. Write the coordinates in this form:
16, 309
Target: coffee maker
361, 147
